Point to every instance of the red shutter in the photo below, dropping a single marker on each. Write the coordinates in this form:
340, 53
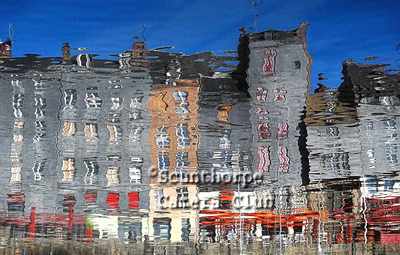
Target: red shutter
133, 200
113, 200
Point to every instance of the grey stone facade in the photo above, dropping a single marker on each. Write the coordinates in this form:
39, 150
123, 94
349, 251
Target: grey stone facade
333, 139
224, 113
379, 138
63, 126
278, 78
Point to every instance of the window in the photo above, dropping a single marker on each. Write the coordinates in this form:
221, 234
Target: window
39, 101
297, 64
280, 95
135, 135
92, 169
269, 65
182, 162
370, 125
283, 159
135, 175
37, 170
15, 174
332, 131
90, 197
92, 98
16, 202
185, 230
182, 197
40, 105
68, 169
162, 229
112, 175
174, 72
163, 162
69, 128
159, 198
263, 130
181, 101
283, 130
182, 159
182, 134
83, 60
90, 131
18, 103
136, 103
335, 161
224, 141
114, 134
331, 106
391, 153
162, 138
261, 94
390, 124
371, 155
40, 130
116, 103
70, 97
114, 117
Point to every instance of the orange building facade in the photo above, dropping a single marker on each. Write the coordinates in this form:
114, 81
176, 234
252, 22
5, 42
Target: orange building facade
174, 139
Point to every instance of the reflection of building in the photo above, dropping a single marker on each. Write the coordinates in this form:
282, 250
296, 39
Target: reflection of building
268, 215
104, 122
380, 146
223, 153
377, 94
338, 199
174, 142
224, 133
278, 78
370, 84
85, 119
380, 197
332, 137
359, 209
26, 144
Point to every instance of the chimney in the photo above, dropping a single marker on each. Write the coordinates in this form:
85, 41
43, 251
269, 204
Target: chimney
138, 49
66, 52
5, 49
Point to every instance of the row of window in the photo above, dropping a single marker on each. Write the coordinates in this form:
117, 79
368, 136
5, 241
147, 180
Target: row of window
182, 134
92, 171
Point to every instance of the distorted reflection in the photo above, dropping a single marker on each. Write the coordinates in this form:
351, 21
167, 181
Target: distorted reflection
174, 153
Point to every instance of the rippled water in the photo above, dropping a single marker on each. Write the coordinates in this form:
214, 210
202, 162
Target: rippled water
155, 152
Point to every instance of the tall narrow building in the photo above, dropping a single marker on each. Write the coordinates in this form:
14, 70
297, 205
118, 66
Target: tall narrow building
174, 139
279, 79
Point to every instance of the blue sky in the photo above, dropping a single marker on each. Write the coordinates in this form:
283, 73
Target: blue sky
339, 29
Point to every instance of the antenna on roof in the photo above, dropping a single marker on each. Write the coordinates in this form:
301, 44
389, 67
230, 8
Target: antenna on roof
11, 32
255, 4
143, 31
